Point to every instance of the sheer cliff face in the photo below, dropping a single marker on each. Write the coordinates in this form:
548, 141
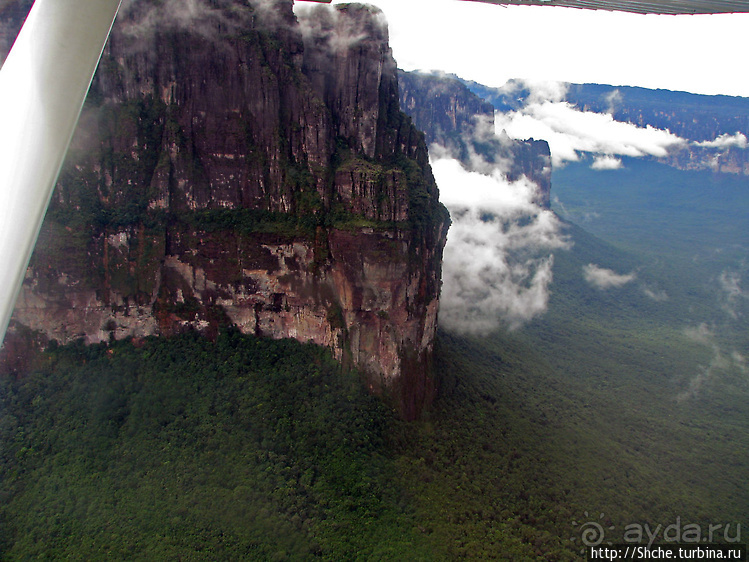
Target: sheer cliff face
462, 124
235, 166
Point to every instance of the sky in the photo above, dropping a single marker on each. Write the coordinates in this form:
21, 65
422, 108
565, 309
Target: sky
491, 44
498, 261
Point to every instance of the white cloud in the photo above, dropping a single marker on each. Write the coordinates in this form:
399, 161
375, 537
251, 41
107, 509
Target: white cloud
327, 26
739, 360
497, 265
656, 295
737, 140
460, 189
570, 131
720, 362
539, 91
705, 336
730, 282
613, 99
589, 216
483, 287
731, 292
702, 334
606, 162
602, 278
140, 20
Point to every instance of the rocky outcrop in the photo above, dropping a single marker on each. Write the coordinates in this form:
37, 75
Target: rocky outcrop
235, 166
447, 112
725, 159
462, 125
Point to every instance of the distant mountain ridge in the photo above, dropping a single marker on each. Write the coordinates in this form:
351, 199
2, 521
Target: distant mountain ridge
697, 117
694, 117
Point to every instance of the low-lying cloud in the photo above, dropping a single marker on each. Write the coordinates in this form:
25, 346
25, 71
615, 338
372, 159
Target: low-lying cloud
544, 114
654, 294
737, 140
141, 20
731, 293
602, 278
327, 26
570, 131
721, 361
606, 162
497, 264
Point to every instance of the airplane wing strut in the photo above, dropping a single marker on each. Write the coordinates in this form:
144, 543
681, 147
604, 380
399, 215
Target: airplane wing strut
43, 84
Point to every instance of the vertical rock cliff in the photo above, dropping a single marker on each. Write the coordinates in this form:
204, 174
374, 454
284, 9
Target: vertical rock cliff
462, 123
237, 166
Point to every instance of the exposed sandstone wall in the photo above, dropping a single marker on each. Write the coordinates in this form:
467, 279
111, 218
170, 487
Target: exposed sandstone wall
233, 167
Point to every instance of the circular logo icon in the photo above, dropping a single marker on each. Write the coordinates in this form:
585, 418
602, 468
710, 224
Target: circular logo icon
591, 533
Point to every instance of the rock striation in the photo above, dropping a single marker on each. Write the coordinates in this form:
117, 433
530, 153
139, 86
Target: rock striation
238, 166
